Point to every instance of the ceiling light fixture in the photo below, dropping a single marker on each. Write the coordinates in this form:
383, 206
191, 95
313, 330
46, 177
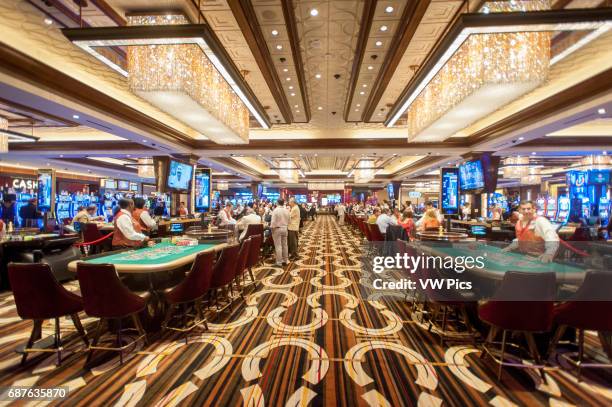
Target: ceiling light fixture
389, 9
157, 42
76, 116
285, 70
292, 94
497, 29
362, 93
370, 67
48, 21
601, 111
320, 108
274, 33
378, 43
279, 47
318, 76
314, 12
383, 28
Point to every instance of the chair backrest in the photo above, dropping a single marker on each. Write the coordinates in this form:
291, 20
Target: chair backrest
66, 221
197, 281
243, 256
254, 229
595, 287
255, 250
50, 225
375, 233
104, 295
522, 286
90, 232
224, 269
38, 295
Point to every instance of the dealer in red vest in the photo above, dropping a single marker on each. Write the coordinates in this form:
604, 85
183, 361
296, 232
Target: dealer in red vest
127, 230
535, 235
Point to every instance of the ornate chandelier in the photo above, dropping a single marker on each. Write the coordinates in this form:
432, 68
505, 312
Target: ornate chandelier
364, 171
532, 178
516, 167
288, 171
3, 136
145, 168
181, 80
485, 73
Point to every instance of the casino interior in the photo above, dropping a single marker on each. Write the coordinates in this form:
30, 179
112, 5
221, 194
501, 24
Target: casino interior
194, 193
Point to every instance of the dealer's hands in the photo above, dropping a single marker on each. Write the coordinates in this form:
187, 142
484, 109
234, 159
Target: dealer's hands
546, 258
507, 249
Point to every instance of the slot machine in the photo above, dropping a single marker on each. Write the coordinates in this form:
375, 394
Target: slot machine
22, 199
77, 201
551, 208
109, 202
604, 210
541, 206
564, 209
63, 206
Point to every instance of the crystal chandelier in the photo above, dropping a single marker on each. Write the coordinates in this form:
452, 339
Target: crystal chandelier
182, 81
288, 171
532, 178
3, 136
145, 168
516, 167
364, 172
485, 73
596, 162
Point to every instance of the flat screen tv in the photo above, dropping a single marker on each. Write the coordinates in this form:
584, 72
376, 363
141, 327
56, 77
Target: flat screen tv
110, 184
123, 185
202, 189
471, 176
390, 191
179, 175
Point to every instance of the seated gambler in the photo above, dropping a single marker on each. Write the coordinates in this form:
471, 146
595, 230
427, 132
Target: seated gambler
128, 232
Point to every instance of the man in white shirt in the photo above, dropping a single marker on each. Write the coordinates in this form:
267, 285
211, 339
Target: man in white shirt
340, 209
125, 233
225, 215
278, 225
250, 218
293, 229
534, 234
384, 220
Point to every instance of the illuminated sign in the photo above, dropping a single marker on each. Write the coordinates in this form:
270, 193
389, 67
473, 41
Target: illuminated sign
25, 183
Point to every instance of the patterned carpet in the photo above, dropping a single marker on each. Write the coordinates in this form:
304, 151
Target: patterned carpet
305, 335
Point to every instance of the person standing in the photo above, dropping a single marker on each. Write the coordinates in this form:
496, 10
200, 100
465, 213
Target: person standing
29, 214
182, 210
278, 225
293, 229
341, 211
8, 210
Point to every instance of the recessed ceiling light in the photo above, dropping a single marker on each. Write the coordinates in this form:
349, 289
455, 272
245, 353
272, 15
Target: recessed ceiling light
356, 110
274, 33
314, 12
128, 155
370, 67
318, 76
605, 153
285, 70
533, 153
358, 105
320, 108
290, 87
297, 111
48, 21
601, 111
364, 86
61, 155
288, 78
389, 9
378, 43
144, 141
279, 47
521, 138
383, 28
292, 94
76, 116
295, 106
362, 93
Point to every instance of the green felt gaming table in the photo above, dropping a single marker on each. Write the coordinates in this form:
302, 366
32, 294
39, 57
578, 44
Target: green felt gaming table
497, 262
161, 257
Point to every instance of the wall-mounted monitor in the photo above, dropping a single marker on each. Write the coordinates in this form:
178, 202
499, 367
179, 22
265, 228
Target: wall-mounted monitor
110, 184
133, 187
449, 192
471, 176
203, 187
123, 185
179, 175
599, 177
390, 191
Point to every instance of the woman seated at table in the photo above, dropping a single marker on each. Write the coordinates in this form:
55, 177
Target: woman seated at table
430, 221
374, 216
407, 222
126, 232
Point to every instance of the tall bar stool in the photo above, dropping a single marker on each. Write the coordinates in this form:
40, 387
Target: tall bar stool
105, 297
522, 304
243, 257
254, 255
590, 309
224, 272
189, 293
39, 296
